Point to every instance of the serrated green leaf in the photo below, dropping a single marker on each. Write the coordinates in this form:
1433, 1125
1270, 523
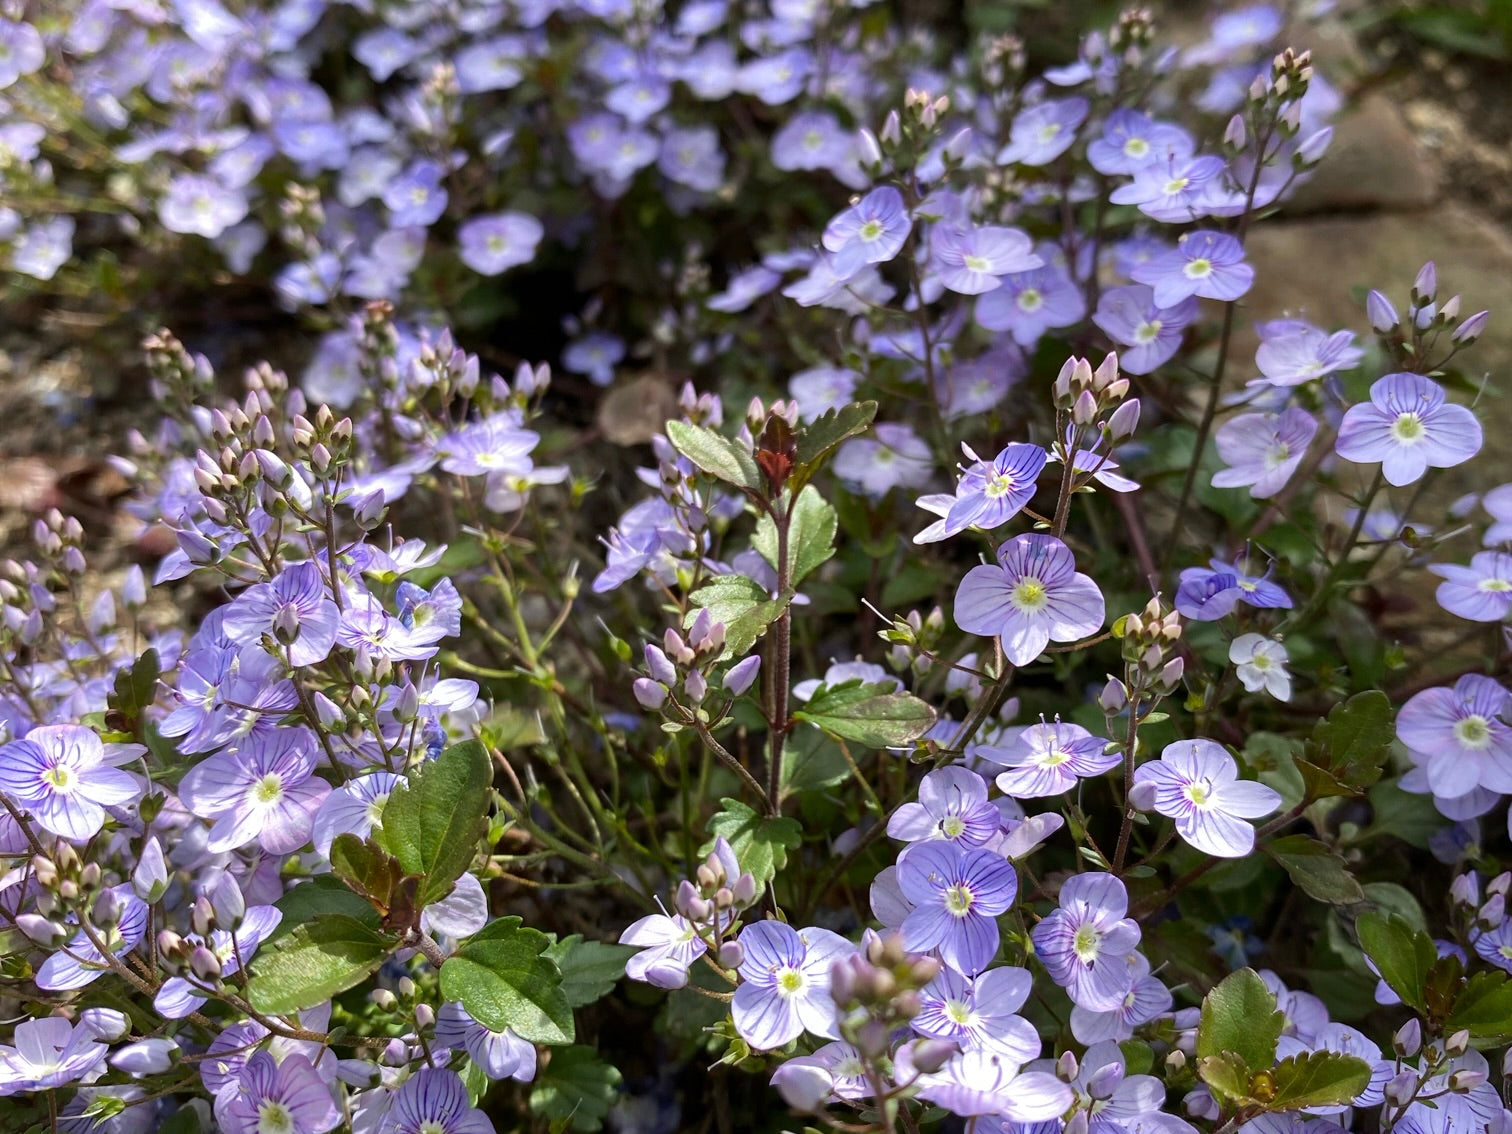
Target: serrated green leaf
743, 605
1352, 744
1318, 1078
811, 761
821, 436
1239, 1017
811, 535
136, 688
314, 962
365, 866
1313, 866
760, 843
877, 715
433, 824
577, 1088
321, 895
715, 454
1227, 1075
590, 969
504, 980
1402, 955
1483, 1008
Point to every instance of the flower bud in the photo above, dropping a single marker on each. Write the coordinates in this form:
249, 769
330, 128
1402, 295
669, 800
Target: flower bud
1113, 697
204, 964
1402, 1086
1078, 1123
1457, 1044
150, 878
1449, 312
1235, 135
1124, 422
1425, 286
892, 129
1066, 1067
202, 916
803, 1086
425, 1016
929, 1055
1463, 1082
740, 676
652, 695
1494, 912
1382, 314
227, 902
1464, 890
1105, 1081
1170, 675
384, 999
659, 666
1142, 796
871, 152
44, 931
1472, 328
1084, 412
1175, 1062
695, 686
744, 890
1408, 1039
1313, 147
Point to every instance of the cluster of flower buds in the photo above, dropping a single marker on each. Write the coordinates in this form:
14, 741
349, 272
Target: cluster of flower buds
686, 663
377, 344
1091, 1096
301, 218
877, 992
1096, 398
1425, 315
905, 138
176, 376
1149, 651
1291, 72
715, 897
1002, 61
65, 882
913, 639
445, 368
1131, 33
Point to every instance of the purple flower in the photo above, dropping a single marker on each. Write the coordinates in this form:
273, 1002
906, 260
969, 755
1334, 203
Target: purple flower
355, 808
969, 262
985, 1083
201, 205
990, 494
21, 51
493, 244
1033, 595
871, 231
957, 894
1262, 450
1048, 759
785, 977
952, 805
1195, 782
896, 458
1146, 998
499, 1055
1300, 353
49, 1052
180, 996
1031, 303
1132, 142
1041, 133
1149, 334
744, 288
490, 65
295, 610
81, 963
65, 778
1461, 735
1084, 943
1481, 592
1174, 190
264, 791
497, 444
1408, 427
271, 1095
980, 1014
821, 389
594, 354
416, 197
434, 1101
692, 156
1206, 263
669, 946
814, 139
1206, 594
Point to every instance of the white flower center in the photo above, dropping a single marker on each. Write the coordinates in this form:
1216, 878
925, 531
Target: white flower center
978, 263
1176, 185
958, 899
1473, 732
790, 982
266, 791
1407, 429
1136, 147
1087, 943
1029, 595
1198, 269
274, 1118
1030, 299
1147, 332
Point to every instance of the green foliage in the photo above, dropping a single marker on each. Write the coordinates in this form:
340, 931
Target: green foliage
1239, 1018
1402, 955
874, 715
760, 843
315, 961
323, 894
743, 605
432, 824
1318, 1078
1484, 1009
811, 535
1313, 866
504, 979
575, 1090
590, 969
817, 440
716, 455
1348, 750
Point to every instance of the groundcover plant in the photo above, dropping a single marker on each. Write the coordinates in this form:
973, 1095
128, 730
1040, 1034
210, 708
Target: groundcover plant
970, 670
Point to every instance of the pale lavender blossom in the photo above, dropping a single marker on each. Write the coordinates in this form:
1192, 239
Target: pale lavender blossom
43, 247
81, 962
295, 609
990, 493
434, 1100
497, 444
952, 805
1206, 594
499, 1055
1175, 190
1481, 592
1032, 596
595, 354
1147, 997
821, 389
1263, 450
744, 288
1031, 303
971, 261
416, 197
1204, 263
980, 1014
65, 777
1300, 353
1085, 941
1408, 427
986, 1083
1196, 783
1131, 142
1041, 133
354, 808
1461, 734
896, 458
957, 894
1149, 335
21, 51
871, 231
692, 156
785, 978
834, 1070
669, 945
201, 205
1049, 758
49, 1052
1498, 502
263, 791
495, 243
490, 64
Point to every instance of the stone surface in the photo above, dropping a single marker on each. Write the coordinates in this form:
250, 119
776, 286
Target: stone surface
1375, 162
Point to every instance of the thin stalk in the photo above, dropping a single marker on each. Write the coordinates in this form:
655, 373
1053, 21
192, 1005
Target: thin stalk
780, 663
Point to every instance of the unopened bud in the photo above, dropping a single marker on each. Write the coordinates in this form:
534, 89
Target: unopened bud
1472, 328
803, 1086
1066, 1067
695, 686
1382, 314
1457, 1044
1425, 285
1113, 697
1408, 1039
1463, 1082
1235, 134
651, 694
929, 1055
740, 676
425, 1016
1084, 411
1124, 422
731, 955
204, 964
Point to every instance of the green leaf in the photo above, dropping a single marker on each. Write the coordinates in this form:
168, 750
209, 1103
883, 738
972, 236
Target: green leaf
1317, 869
811, 761
321, 895
1483, 1008
715, 454
136, 688
1319, 1078
1350, 747
811, 535
433, 824
877, 716
504, 980
1402, 955
1403, 815
760, 843
314, 962
1239, 1017
1227, 1075
590, 969
820, 437
366, 867
577, 1087
743, 605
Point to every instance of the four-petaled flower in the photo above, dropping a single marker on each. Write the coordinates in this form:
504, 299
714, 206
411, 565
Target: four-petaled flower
1085, 943
1408, 427
785, 978
957, 894
1033, 595
1196, 783
871, 231
65, 777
